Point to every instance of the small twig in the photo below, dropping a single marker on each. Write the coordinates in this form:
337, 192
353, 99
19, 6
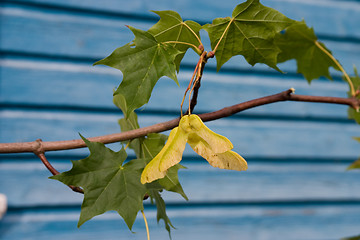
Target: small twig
188, 88
197, 84
41, 154
352, 102
164, 126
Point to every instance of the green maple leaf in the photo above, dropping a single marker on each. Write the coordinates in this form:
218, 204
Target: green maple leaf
171, 27
355, 164
161, 210
171, 181
147, 148
249, 32
142, 63
352, 238
108, 183
355, 80
144, 147
300, 42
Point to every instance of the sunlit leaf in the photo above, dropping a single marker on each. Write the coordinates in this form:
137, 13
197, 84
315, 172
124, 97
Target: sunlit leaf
249, 32
171, 27
300, 42
142, 63
352, 113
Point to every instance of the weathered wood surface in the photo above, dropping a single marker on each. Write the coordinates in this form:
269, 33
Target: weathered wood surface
264, 222
296, 186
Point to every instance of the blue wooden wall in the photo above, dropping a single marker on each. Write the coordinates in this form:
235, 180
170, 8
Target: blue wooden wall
296, 186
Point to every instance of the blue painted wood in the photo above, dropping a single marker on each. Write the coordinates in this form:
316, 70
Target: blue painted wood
344, 15
253, 137
264, 181
78, 35
296, 186
58, 83
246, 222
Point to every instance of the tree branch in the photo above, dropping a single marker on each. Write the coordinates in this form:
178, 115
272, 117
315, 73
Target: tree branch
41, 154
160, 127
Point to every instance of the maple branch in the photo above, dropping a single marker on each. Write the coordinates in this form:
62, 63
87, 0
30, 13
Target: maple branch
41, 154
164, 126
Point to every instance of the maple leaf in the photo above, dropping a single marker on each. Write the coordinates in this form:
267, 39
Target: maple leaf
147, 148
300, 42
172, 28
108, 183
161, 210
355, 81
355, 164
351, 238
249, 32
144, 147
142, 63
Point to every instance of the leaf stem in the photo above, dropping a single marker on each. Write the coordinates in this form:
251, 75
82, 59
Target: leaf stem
146, 225
222, 36
197, 50
127, 144
352, 89
192, 31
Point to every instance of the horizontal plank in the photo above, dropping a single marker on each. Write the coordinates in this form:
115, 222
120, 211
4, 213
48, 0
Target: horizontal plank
70, 84
316, 13
25, 183
251, 137
249, 222
87, 36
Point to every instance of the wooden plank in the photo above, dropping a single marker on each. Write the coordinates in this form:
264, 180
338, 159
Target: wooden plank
251, 137
262, 182
71, 84
63, 33
250, 222
316, 13
91, 36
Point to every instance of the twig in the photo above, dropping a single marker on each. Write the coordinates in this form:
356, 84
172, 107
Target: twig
197, 84
164, 126
41, 154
